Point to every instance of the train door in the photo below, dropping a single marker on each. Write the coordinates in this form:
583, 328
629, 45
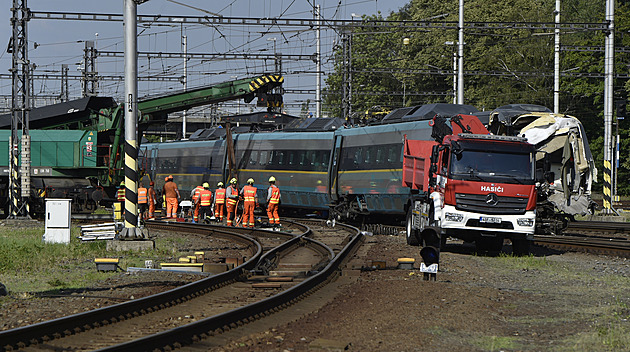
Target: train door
334, 169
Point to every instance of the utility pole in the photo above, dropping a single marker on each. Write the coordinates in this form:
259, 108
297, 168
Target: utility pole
609, 51
20, 110
346, 81
131, 122
185, 47
318, 93
556, 61
460, 70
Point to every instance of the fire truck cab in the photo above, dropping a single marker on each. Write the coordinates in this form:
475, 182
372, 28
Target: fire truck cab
471, 185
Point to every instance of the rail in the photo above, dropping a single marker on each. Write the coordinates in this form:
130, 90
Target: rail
193, 332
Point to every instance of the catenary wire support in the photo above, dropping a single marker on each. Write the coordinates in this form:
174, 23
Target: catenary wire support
21, 105
90, 76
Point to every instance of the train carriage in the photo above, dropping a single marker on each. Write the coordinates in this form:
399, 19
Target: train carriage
366, 177
298, 160
190, 163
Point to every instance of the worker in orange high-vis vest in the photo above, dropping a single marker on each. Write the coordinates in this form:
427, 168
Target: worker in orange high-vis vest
219, 202
195, 201
152, 199
273, 199
205, 202
231, 200
171, 196
143, 201
251, 201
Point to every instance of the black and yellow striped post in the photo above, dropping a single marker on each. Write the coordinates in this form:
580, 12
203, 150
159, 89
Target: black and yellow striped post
607, 201
131, 183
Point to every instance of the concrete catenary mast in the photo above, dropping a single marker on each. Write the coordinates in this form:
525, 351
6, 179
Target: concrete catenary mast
131, 231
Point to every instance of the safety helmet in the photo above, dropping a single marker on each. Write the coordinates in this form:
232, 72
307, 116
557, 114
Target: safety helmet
233, 181
206, 185
170, 177
122, 183
272, 179
220, 184
165, 178
151, 183
319, 182
250, 181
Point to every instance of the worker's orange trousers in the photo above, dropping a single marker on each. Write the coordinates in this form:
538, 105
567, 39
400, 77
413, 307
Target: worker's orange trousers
272, 213
171, 207
231, 212
218, 211
248, 214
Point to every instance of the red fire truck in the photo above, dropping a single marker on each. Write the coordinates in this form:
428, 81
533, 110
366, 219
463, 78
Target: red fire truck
471, 185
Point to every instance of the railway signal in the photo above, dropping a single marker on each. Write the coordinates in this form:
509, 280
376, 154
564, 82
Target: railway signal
430, 253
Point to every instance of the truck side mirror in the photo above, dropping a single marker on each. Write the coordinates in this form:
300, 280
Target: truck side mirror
435, 152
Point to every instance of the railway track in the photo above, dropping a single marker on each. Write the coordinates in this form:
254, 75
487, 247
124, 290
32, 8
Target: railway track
597, 237
594, 245
287, 265
598, 228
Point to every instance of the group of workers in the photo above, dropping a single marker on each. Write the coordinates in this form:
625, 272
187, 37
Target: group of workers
147, 199
228, 199
204, 200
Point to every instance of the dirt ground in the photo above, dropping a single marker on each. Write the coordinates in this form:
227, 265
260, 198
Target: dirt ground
549, 302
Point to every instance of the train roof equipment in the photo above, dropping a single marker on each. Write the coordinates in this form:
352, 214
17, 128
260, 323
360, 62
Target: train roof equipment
261, 119
313, 124
427, 112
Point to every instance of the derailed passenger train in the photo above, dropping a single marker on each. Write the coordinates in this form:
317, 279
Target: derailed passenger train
346, 173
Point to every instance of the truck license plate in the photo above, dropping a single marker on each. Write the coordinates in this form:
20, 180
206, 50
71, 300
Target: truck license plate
489, 220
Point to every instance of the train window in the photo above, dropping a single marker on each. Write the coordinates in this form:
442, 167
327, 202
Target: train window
264, 158
253, 158
357, 157
278, 157
379, 156
307, 159
324, 159
292, 158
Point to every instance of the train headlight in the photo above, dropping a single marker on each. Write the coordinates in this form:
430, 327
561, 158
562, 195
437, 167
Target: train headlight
528, 222
453, 217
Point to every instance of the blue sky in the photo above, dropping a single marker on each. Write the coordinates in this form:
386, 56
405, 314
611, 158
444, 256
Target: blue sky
62, 42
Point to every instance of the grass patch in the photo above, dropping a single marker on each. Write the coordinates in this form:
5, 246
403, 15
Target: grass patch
27, 264
520, 263
496, 343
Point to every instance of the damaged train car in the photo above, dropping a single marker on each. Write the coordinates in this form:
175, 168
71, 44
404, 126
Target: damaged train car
564, 161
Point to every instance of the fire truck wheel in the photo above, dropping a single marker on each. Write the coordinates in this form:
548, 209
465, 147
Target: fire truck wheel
412, 239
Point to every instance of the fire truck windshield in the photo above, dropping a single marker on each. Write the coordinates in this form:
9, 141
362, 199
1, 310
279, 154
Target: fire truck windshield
493, 166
